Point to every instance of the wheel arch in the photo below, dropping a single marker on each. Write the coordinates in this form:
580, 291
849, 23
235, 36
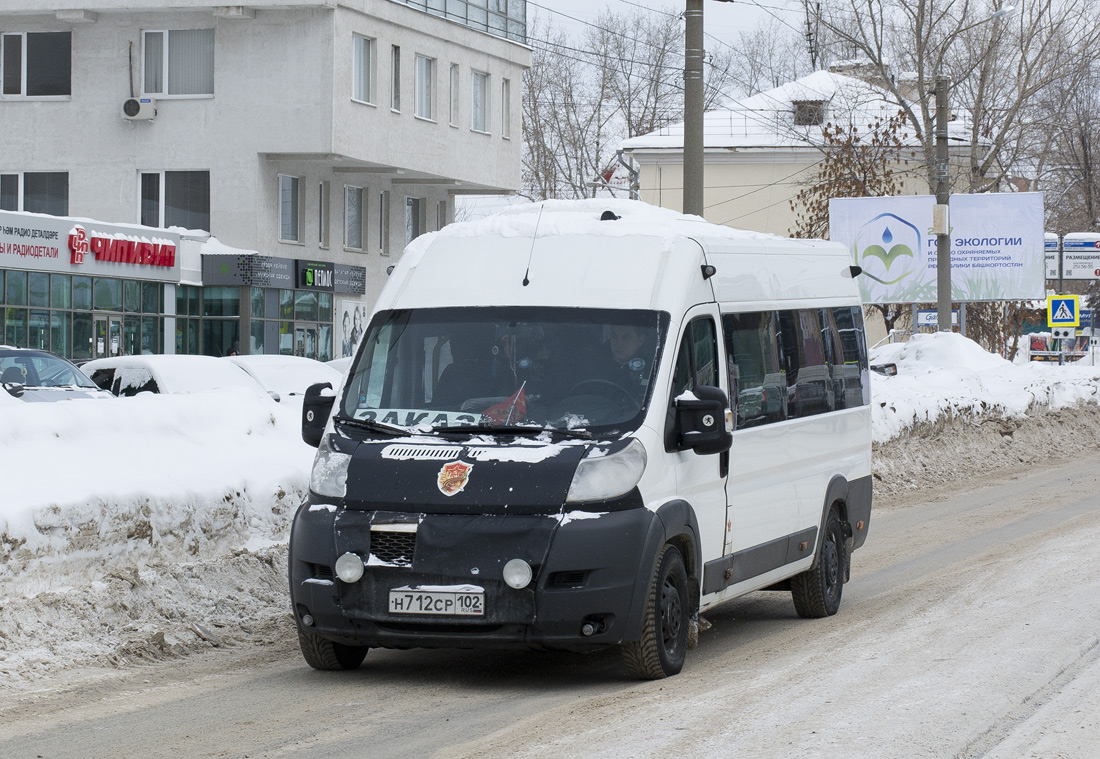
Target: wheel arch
675, 524
836, 496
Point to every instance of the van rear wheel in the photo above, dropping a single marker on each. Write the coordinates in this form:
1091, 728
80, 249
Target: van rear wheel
324, 654
816, 592
661, 650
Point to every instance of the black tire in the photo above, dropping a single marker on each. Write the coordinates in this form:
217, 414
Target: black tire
324, 654
817, 591
660, 651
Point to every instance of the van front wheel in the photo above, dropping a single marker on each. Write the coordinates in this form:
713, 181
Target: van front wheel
660, 651
816, 592
321, 653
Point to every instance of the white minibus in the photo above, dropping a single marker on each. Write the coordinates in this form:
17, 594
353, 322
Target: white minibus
576, 425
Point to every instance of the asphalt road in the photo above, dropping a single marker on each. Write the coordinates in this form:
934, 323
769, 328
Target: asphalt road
969, 629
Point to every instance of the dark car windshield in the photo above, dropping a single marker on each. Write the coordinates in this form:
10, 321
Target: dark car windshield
506, 368
40, 369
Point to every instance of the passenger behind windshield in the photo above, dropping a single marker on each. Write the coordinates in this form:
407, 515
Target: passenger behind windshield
562, 367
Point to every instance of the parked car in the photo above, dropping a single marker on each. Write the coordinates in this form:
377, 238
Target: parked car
34, 375
130, 375
286, 375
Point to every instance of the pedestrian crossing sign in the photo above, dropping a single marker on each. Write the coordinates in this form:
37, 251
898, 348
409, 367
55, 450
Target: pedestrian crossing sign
1062, 311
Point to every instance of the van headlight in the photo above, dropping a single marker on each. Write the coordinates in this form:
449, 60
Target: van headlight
599, 478
330, 471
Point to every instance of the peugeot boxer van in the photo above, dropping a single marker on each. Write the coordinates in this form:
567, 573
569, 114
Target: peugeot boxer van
576, 425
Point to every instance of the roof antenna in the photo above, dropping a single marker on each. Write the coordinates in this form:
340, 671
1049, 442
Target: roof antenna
526, 279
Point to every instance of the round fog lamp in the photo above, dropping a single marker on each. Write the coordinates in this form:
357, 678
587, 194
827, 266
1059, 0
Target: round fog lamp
517, 573
349, 567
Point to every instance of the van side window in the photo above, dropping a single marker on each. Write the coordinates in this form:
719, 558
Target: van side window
706, 352
758, 388
697, 361
851, 369
803, 357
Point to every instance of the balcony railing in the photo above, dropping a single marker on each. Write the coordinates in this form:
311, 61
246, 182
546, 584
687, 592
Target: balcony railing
502, 18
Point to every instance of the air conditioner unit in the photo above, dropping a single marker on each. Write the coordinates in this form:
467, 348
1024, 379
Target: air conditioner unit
135, 109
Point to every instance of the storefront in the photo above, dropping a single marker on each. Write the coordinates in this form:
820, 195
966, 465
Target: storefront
262, 304
84, 289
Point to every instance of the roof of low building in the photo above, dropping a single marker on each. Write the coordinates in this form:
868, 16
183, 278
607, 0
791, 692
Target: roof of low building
766, 120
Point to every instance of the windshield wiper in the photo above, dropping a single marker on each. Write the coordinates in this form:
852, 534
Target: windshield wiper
511, 429
370, 424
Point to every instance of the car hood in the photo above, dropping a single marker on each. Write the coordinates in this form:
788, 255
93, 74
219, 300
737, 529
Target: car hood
40, 394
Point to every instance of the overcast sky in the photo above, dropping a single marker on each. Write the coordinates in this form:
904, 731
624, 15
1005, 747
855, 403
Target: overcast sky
724, 20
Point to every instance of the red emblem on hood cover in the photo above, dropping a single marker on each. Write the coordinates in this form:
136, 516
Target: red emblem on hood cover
453, 477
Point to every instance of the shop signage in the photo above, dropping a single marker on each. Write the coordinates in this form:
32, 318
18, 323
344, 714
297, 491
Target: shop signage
315, 275
252, 270
349, 279
58, 244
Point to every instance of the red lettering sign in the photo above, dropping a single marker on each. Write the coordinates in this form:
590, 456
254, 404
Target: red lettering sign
78, 244
120, 251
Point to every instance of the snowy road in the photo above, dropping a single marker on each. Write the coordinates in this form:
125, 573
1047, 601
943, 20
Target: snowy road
969, 629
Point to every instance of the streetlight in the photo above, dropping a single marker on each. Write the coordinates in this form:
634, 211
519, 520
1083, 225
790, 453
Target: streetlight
940, 216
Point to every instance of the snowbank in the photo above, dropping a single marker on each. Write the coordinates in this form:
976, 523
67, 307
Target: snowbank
166, 476
945, 374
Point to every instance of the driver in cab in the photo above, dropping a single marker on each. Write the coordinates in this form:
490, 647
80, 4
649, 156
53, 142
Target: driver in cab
629, 360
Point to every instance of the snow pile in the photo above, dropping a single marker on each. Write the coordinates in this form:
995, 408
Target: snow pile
165, 476
946, 375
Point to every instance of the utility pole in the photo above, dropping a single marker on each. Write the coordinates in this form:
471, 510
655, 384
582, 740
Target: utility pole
693, 108
941, 217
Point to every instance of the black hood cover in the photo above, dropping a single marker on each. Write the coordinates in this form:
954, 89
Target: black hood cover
462, 478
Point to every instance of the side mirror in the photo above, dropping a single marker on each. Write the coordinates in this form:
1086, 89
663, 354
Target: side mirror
316, 407
701, 424
15, 389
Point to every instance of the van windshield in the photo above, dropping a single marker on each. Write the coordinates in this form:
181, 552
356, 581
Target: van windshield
516, 367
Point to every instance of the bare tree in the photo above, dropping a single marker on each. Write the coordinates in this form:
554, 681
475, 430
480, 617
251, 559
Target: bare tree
857, 162
1070, 160
996, 67
567, 117
623, 78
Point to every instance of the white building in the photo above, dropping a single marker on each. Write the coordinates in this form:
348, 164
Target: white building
323, 133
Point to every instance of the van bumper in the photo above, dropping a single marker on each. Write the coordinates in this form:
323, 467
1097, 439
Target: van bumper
590, 574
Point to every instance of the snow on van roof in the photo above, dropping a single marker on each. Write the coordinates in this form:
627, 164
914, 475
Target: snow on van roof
582, 217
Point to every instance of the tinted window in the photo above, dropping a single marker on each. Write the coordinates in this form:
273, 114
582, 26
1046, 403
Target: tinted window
851, 370
757, 385
804, 359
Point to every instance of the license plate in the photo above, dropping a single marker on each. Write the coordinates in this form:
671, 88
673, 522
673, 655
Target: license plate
456, 603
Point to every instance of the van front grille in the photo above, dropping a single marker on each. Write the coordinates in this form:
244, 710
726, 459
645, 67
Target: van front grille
393, 547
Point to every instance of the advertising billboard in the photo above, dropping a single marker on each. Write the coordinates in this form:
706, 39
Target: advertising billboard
997, 246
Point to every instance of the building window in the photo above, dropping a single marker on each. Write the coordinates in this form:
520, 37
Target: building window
290, 209
479, 102
425, 87
179, 62
362, 81
395, 80
384, 222
412, 219
441, 215
322, 214
809, 113
505, 108
454, 95
176, 199
36, 64
353, 217
35, 192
